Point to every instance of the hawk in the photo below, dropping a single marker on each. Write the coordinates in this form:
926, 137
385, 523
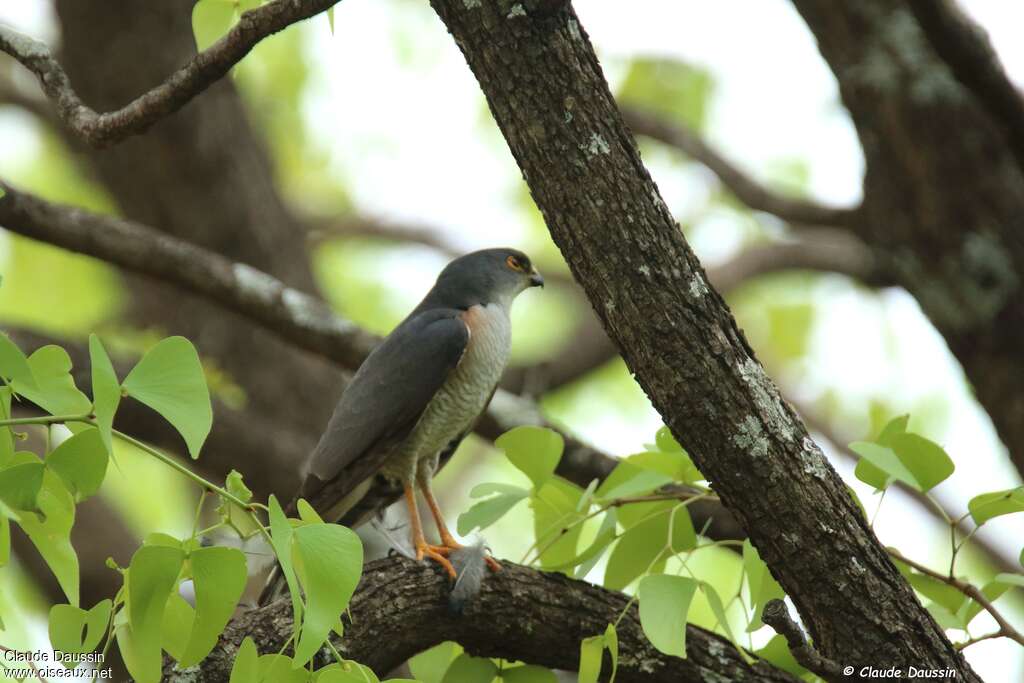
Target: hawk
418, 394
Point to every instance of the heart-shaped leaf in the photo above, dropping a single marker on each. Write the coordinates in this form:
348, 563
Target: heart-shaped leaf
169, 379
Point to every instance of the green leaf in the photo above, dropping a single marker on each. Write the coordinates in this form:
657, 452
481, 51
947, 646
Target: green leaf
488, 511
885, 460
604, 537
555, 508
330, 18
589, 558
468, 669
760, 582
211, 19
938, 591
645, 546
281, 669
910, 458
152, 575
106, 391
995, 504
177, 626
246, 666
528, 674
219, 576
628, 480
169, 379
1010, 579
970, 608
81, 462
636, 550
591, 652
871, 475
20, 484
777, 653
666, 442
13, 364
281, 533
893, 428
677, 466
664, 605
236, 486
868, 473
54, 389
307, 514
330, 559
72, 629
535, 451
429, 666
611, 642
925, 459
718, 609
50, 533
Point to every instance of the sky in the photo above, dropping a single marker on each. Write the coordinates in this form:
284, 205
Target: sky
412, 118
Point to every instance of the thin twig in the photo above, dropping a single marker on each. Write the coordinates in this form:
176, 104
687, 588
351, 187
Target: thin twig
970, 590
207, 67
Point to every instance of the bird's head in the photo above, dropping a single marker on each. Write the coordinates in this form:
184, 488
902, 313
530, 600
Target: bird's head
488, 276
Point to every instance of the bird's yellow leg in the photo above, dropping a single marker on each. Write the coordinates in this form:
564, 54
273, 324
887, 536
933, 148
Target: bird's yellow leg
448, 541
419, 541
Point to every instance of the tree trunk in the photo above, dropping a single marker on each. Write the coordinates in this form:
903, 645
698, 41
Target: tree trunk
547, 92
943, 193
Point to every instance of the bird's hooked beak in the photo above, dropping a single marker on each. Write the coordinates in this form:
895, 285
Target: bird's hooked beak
536, 279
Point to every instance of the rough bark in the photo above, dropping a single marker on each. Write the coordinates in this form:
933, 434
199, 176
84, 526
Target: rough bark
943, 192
401, 608
549, 97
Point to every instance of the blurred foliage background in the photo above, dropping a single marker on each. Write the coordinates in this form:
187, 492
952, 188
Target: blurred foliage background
380, 119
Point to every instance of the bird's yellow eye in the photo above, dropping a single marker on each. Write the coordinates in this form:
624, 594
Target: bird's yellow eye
513, 263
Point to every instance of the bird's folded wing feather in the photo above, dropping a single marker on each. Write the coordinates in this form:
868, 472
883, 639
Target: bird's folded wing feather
386, 397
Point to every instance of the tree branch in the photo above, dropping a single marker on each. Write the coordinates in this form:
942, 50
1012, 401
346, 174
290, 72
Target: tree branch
401, 608
747, 190
100, 130
777, 616
965, 47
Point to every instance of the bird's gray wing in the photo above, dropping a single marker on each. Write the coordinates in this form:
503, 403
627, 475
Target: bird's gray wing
384, 400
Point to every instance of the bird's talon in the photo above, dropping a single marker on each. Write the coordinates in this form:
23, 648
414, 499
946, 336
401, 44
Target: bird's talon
437, 554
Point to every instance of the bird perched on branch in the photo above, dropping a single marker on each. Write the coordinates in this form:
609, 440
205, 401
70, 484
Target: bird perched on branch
419, 393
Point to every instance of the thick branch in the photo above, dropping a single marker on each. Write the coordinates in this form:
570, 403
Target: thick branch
966, 49
300, 318
199, 73
400, 609
747, 190
680, 340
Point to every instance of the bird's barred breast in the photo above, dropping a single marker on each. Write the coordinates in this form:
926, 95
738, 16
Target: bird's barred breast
462, 397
